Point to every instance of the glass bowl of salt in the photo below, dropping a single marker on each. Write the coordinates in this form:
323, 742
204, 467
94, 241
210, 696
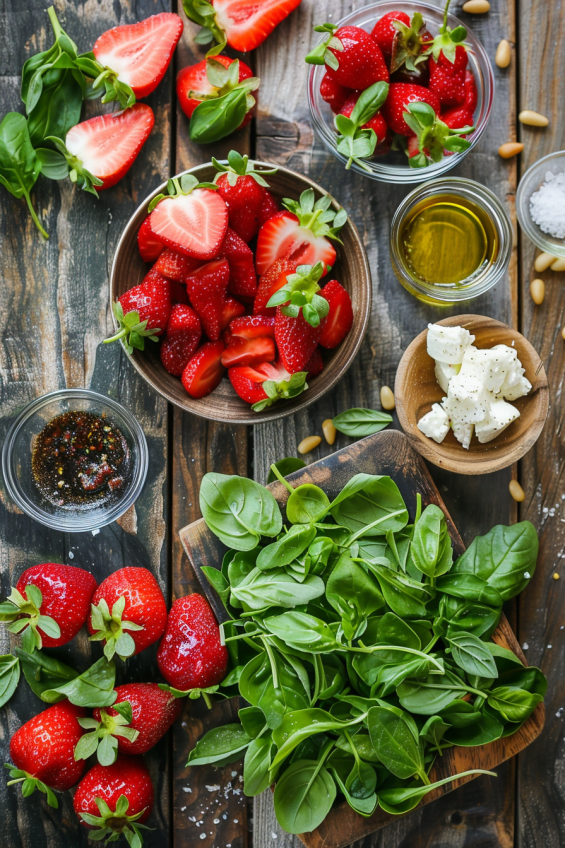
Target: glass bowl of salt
540, 203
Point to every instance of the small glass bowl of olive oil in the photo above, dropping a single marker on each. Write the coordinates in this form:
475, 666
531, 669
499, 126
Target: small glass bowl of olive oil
451, 240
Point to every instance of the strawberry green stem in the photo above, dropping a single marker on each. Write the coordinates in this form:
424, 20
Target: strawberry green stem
207, 700
444, 25
119, 335
310, 223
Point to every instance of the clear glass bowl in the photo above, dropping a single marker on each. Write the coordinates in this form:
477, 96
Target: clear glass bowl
18, 448
450, 293
530, 182
393, 167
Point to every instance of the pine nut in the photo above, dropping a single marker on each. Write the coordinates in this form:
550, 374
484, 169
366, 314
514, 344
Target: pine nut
543, 261
558, 265
309, 443
476, 7
387, 398
503, 54
563, 333
329, 431
516, 491
533, 119
556, 576
511, 148
537, 291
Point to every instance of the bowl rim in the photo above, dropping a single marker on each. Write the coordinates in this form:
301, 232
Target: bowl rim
63, 522
432, 451
281, 410
531, 229
407, 175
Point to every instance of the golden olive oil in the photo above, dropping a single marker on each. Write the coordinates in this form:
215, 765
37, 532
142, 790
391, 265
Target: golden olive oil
447, 240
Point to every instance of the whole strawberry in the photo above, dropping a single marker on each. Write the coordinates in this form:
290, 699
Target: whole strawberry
116, 800
191, 655
352, 57
333, 93
400, 96
128, 612
242, 188
183, 335
384, 31
42, 751
143, 312
142, 713
49, 605
448, 63
206, 289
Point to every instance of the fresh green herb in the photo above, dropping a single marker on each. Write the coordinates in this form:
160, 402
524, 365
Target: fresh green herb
285, 466
93, 688
9, 677
361, 422
356, 141
19, 164
220, 113
44, 672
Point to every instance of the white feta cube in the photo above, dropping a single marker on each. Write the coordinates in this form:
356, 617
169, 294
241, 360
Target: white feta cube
448, 344
520, 387
467, 400
490, 366
444, 372
463, 433
500, 416
435, 424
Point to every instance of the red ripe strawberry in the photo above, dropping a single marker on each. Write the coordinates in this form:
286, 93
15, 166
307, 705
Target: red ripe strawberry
471, 96
183, 336
190, 655
296, 340
193, 221
243, 279
315, 365
248, 384
359, 63
271, 281
243, 190
140, 716
116, 799
268, 208
447, 77
232, 309
204, 371
384, 31
143, 312
457, 117
339, 320
253, 326
150, 247
176, 266
376, 123
400, 95
139, 54
178, 293
49, 605
206, 289
333, 93
263, 385
42, 751
128, 612
105, 147
248, 351
242, 24
209, 79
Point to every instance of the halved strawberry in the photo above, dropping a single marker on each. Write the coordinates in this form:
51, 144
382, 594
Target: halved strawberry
231, 311
248, 351
339, 320
242, 24
176, 266
271, 281
243, 279
265, 384
139, 54
206, 289
315, 365
150, 247
253, 326
192, 220
204, 370
194, 80
183, 336
301, 233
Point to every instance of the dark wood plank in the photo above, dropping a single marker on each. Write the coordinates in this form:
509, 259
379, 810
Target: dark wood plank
541, 817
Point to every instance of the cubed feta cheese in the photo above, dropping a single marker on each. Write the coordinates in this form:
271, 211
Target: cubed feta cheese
500, 416
448, 344
467, 400
463, 433
520, 387
435, 424
444, 372
490, 366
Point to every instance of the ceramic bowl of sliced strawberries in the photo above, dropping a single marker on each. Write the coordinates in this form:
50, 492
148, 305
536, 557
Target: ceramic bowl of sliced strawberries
400, 92
240, 291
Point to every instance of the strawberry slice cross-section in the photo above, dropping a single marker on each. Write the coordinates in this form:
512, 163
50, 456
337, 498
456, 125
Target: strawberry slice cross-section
243, 24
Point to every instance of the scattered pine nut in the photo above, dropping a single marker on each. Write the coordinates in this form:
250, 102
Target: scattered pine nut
533, 119
563, 333
387, 398
556, 576
543, 261
511, 148
516, 491
309, 443
329, 431
476, 7
537, 291
558, 265
503, 54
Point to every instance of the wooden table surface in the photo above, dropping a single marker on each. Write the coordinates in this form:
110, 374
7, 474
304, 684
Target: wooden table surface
54, 313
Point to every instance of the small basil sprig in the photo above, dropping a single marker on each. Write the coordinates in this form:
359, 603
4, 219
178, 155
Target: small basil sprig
44, 672
19, 164
220, 113
9, 677
433, 135
23, 614
361, 422
203, 13
93, 688
300, 294
317, 215
355, 140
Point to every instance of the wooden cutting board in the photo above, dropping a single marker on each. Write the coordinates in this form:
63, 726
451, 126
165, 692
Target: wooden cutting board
384, 453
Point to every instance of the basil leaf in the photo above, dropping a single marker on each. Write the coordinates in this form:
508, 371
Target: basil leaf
304, 796
9, 677
405, 596
59, 107
361, 422
365, 807
476, 619
287, 548
286, 466
514, 705
93, 688
217, 580
256, 766
394, 800
430, 696
300, 725
307, 504
252, 720
238, 511
19, 165
261, 589
354, 594
218, 117
471, 654
368, 498
431, 545
44, 672
395, 744
469, 587
484, 730
220, 746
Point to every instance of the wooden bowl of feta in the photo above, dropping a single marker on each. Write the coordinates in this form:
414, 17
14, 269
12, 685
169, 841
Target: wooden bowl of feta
471, 394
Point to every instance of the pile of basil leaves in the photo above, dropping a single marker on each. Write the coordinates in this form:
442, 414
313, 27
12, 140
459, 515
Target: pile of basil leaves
362, 649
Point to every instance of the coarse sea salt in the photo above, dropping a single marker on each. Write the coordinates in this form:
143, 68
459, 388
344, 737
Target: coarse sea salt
547, 205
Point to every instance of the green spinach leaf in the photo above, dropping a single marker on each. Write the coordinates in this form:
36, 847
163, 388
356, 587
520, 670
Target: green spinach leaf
238, 511
220, 746
19, 165
304, 796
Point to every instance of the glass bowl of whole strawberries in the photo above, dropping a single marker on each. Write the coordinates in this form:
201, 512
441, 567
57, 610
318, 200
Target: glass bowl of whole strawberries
241, 291
400, 92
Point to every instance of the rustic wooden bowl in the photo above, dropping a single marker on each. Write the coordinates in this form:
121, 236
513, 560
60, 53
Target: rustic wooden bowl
351, 269
416, 389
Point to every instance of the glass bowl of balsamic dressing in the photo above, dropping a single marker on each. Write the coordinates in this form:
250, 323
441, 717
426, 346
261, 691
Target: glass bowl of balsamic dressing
75, 460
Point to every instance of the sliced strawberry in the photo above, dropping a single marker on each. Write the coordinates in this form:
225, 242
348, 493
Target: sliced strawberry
268, 208
253, 326
243, 279
271, 281
339, 320
243, 24
248, 352
206, 289
140, 53
193, 222
106, 146
333, 93
204, 370
265, 384
231, 311
296, 340
150, 247
248, 384
183, 335
315, 365
176, 266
